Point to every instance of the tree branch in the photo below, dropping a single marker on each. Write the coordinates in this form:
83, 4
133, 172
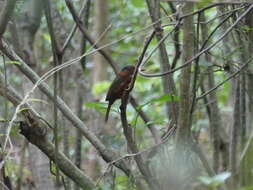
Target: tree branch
127, 129
227, 79
204, 50
105, 54
36, 134
88, 37
107, 154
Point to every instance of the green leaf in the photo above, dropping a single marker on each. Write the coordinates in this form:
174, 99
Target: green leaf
100, 87
165, 98
137, 3
161, 99
100, 106
22, 109
203, 3
53, 167
13, 62
246, 188
247, 28
46, 36
37, 100
216, 180
158, 121
14, 130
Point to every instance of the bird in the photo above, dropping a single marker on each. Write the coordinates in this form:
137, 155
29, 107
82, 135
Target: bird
119, 84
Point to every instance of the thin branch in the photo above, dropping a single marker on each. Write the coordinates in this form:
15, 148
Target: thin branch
196, 73
234, 133
156, 47
87, 36
141, 57
128, 132
219, 2
57, 56
106, 154
73, 30
146, 119
146, 150
227, 79
204, 50
36, 133
100, 49
66, 166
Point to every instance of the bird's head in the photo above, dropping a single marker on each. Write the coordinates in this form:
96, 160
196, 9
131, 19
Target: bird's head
129, 69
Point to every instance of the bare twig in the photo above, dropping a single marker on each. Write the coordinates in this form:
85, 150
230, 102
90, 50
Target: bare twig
87, 36
57, 56
36, 134
168, 82
73, 30
128, 132
204, 50
227, 79
91, 41
107, 154
146, 150
146, 119
155, 48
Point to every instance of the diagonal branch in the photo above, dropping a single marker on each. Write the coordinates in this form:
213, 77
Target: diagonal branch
57, 57
108, 58
204, 50
107, 154
87, 36
127, 129
83, 10
227, 79
36, 134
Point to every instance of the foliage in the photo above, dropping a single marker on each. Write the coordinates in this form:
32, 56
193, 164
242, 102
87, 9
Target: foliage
215, 181
130, 23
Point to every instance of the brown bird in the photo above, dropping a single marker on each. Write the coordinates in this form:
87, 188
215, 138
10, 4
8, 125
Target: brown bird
119, 84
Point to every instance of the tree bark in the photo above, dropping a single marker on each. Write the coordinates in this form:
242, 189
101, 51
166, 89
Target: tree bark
167, 80
183, 131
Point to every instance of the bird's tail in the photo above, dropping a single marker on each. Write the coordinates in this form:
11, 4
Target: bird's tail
107, 112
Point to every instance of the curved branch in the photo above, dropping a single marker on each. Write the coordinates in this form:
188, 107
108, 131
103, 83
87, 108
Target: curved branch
36, 134
227, 79
107, 154
127, 129
204, 50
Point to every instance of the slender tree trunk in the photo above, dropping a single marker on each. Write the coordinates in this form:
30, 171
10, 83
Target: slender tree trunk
247, 161
100, 26
218, 136
99, 74
21, 165
235, 134
29, 23
81, 91
183, 131
167, 80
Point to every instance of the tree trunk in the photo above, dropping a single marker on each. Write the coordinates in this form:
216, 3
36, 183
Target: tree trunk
183, 131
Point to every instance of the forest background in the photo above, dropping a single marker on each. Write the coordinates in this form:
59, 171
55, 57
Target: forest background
184, 122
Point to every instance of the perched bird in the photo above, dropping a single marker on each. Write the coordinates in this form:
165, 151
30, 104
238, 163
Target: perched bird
119, 84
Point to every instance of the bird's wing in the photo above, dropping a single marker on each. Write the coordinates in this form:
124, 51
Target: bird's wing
118, 84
